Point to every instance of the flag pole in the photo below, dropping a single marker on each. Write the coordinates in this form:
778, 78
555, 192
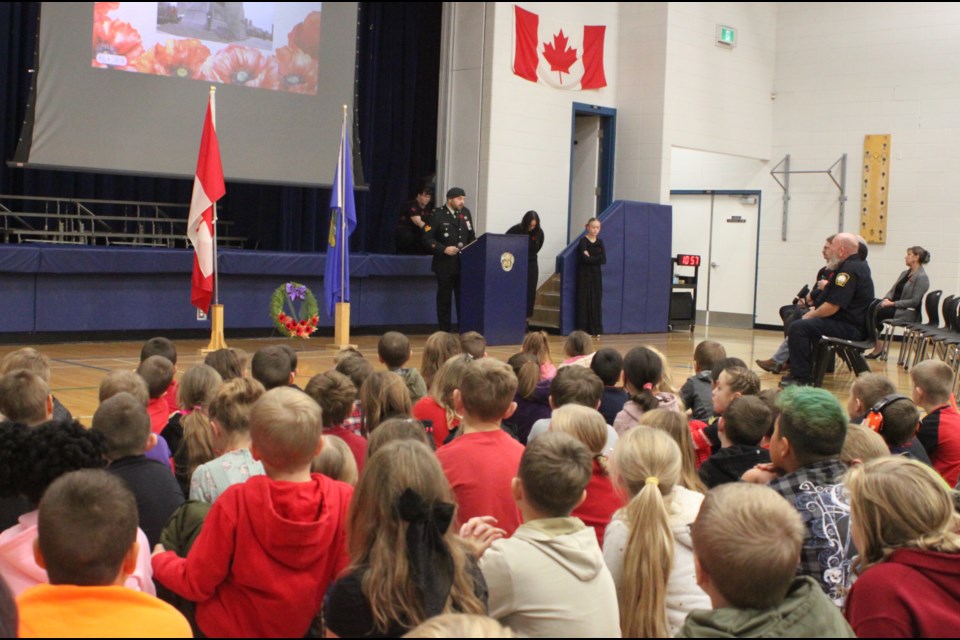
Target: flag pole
217, 340
341, 323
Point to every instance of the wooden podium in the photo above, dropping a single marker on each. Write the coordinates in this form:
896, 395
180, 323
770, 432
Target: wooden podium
493, 288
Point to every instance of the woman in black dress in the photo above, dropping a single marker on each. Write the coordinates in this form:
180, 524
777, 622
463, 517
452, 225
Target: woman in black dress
530, 226
591, 255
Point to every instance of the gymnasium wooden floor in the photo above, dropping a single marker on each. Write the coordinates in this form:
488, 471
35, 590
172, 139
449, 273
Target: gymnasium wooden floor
76, 368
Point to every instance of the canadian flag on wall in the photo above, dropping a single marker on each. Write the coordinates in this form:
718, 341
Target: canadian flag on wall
565, 56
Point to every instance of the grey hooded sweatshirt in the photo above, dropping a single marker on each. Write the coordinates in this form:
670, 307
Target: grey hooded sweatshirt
549, 580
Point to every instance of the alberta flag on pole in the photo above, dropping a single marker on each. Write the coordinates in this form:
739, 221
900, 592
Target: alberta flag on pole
343, 220
562, 55
208, 187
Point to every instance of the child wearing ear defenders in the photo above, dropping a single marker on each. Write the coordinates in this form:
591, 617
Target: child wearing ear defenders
868, 391
896, 419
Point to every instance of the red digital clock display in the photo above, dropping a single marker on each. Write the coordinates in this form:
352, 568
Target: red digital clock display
687, 260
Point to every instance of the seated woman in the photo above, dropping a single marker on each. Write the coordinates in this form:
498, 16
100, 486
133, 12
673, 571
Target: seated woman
903, 300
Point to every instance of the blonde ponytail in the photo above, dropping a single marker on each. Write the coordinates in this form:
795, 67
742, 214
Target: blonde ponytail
647, 465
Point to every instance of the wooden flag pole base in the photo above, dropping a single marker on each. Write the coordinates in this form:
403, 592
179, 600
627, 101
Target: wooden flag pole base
341, 327
217, 341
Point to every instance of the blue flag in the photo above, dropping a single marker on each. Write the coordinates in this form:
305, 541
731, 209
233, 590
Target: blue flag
343, 220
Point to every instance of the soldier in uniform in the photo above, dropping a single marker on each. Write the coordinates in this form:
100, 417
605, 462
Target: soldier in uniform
841, 312
449, 232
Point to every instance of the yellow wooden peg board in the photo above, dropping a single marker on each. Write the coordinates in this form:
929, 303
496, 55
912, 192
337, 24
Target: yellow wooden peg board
876, 188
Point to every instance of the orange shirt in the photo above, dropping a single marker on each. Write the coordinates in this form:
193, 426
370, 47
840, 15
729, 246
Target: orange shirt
68, 611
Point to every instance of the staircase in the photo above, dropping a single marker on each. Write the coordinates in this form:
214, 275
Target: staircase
546, 309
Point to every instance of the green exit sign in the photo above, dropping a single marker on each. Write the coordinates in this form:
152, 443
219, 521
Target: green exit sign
726, 36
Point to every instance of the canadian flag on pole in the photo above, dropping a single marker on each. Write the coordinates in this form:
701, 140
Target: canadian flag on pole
208, 187
565, 56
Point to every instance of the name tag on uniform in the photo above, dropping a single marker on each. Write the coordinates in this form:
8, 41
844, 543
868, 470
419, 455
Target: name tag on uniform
469, 228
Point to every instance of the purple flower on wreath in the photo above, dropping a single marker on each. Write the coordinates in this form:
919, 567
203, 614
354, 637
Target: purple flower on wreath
294, 292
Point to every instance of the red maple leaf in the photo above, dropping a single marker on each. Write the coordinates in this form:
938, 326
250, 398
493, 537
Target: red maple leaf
560, 57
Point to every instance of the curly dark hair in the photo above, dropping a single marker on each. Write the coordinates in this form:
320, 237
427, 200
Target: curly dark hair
11, 444
52, 449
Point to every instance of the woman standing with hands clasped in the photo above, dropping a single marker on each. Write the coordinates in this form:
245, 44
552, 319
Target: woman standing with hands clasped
591, 254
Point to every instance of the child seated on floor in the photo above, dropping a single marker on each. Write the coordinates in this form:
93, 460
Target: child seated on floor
394, 351
474, 344
603, 499
574, 385
125, 427
533, 395
697, 392
157, 372
537, 343
229, 419
647, 544
189, 428
642, 374
163, 347
578, 347
435, 410
549, 580
86, 596
868, 390
482, 461
267, 551
939, 431
607, 363
25, 398
336, 461
32, 360
732, 380
383, 395
352, 364
741, 428
746, 544
335, 394
31, 460
126, 381
272, 367
897, 420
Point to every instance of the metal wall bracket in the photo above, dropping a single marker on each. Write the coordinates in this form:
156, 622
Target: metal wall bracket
839, 180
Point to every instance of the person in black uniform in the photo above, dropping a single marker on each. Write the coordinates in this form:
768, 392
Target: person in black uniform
842, 312
414, 218
451, 230
530, 226
591, 254
807, 299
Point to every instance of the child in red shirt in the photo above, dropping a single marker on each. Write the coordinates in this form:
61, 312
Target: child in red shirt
163, 347
270, 546
603, 499
157, 372
335, 394
482, 462
939, 431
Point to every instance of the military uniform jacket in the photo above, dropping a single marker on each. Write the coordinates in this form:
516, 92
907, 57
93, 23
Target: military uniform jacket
852, 290
449, 229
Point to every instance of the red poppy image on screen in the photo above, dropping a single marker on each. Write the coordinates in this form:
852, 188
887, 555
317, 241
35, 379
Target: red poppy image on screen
237, 43
242, 65
178, 58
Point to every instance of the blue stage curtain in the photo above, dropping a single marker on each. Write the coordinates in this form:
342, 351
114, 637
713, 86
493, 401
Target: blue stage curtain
397, 90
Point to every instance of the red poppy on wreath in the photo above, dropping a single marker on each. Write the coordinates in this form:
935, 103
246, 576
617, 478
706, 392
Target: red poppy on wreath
116, 44
282, 317
306, 35
177, 58
242, 65
297, 70
314, 320
291, 325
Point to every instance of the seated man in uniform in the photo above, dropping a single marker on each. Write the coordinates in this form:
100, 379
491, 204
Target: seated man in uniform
791, 312
841, 313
